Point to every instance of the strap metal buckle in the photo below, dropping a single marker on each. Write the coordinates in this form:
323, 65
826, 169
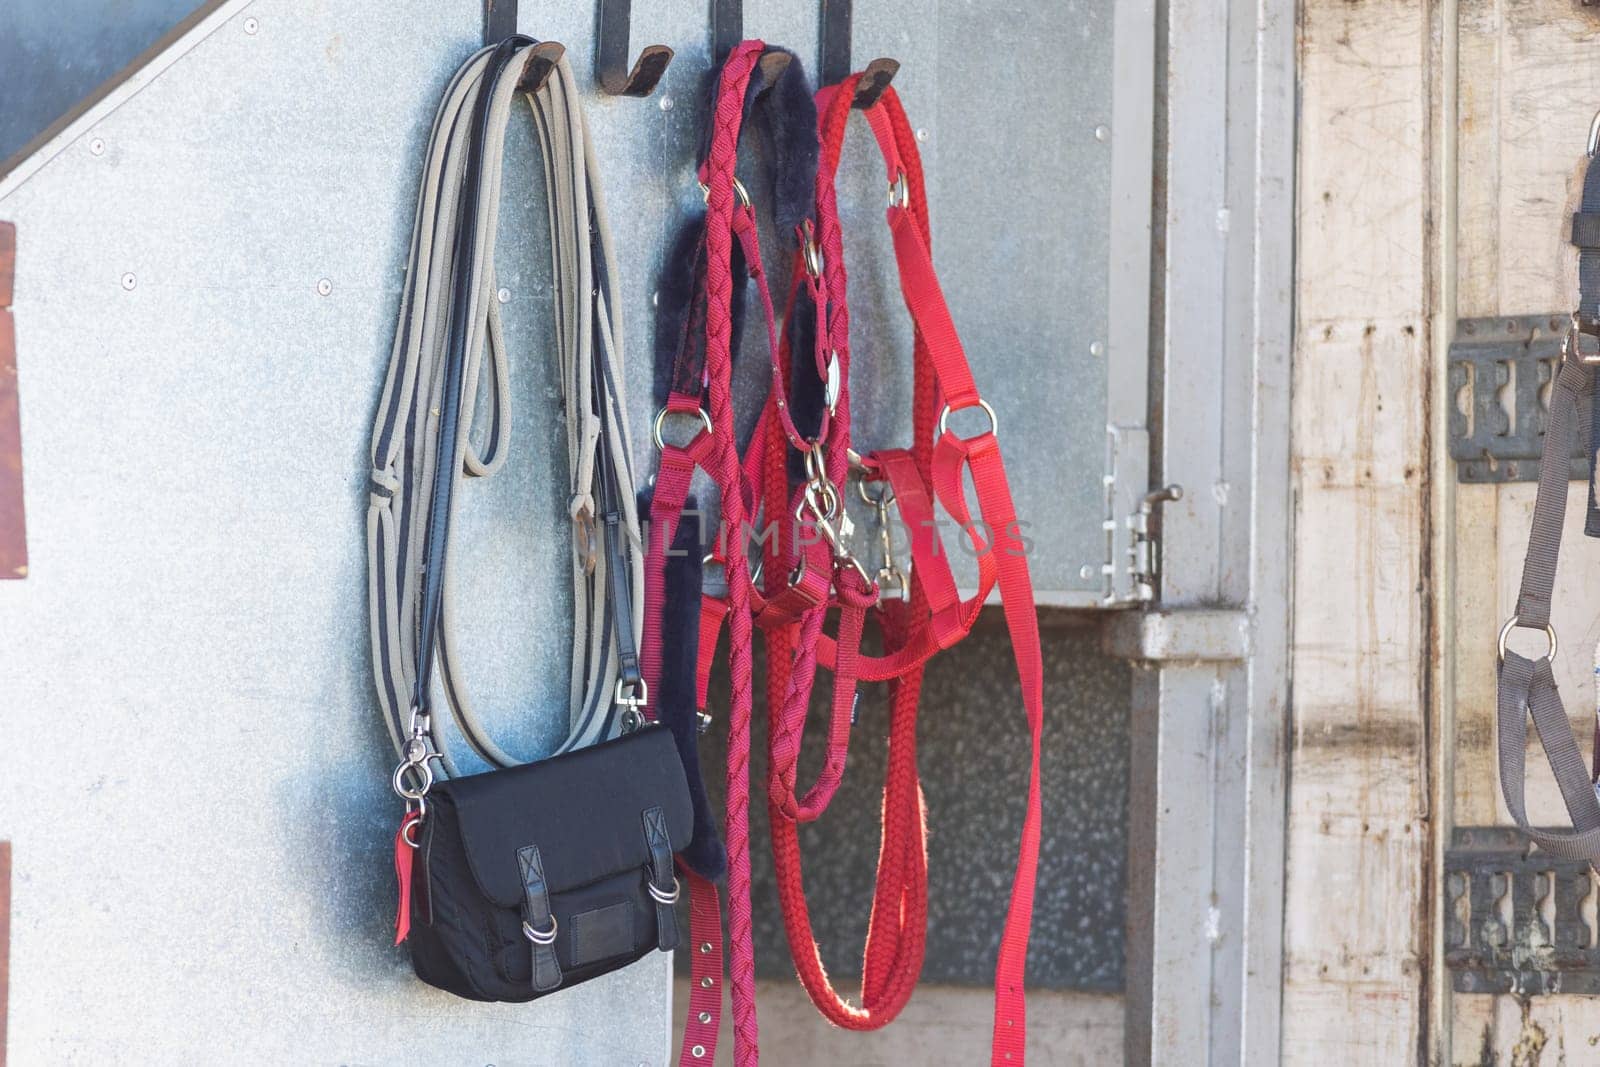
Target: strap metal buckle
632, 695
739, 191
585, 540
544, 938
899, 193
822, 500
1515, 622
994, 423
414, 761
660, 425
1572, 343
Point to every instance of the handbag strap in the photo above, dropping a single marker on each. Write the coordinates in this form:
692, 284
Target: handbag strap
1527, 686
423, 442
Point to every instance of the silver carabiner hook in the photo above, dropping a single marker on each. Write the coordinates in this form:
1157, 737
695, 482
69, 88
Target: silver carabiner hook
1594, 135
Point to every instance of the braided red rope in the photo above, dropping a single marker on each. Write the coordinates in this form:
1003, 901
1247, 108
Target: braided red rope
718, 177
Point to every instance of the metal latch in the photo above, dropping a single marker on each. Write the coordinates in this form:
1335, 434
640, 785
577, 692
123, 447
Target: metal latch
1547, 945
1144, 551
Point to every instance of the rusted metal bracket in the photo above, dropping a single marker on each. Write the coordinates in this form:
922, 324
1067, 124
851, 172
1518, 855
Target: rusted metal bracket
13, 529
1500, 373
1548, 945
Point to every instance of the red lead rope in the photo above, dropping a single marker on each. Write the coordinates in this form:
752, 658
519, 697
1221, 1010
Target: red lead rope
936, 618
791, 607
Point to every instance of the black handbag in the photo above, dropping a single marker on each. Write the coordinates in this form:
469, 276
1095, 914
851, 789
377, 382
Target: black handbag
540, 876
522, 880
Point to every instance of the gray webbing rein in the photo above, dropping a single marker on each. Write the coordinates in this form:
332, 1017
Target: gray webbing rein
1527, 686
417, 461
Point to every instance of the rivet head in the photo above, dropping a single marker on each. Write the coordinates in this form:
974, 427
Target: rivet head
251, 26
699, 1051
705, 983
129, 281
324, 287
922, 133
1097, 349
1102, 133
504, 295
665, 103
1086, 571
97, 146
705, 1017
705, 946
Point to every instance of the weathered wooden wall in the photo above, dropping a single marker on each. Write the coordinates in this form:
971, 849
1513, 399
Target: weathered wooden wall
1529, 84
1355, 929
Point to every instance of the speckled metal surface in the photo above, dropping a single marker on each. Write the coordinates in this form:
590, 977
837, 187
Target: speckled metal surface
203, 869
972, 749
51, 55
187, 699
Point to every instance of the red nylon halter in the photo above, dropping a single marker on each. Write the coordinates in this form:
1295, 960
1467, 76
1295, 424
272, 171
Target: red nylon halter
796, 596
935, 618
714, 450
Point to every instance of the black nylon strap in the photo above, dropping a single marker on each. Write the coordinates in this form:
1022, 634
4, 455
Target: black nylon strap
433, 549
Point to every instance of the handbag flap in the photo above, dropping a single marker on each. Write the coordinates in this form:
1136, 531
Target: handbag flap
583, 809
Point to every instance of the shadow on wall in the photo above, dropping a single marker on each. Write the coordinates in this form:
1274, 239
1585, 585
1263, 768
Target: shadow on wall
53, 53
972, 750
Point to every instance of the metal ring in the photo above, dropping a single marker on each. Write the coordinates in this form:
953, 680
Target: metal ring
1514, 623
994, 423
664, 898
899, 193
414, 824
661, 420
540, 937
884, 500
738, 190
633, 700
424, 777
813, 258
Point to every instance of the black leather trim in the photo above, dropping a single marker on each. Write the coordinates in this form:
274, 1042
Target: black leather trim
536, 913
661, 876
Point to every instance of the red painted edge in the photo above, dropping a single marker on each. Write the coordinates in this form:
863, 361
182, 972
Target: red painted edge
13, 525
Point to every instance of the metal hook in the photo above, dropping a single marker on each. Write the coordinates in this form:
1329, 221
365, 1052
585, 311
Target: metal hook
1594, 135
874, 80
611, 54
542, 60
834, 51
727, 27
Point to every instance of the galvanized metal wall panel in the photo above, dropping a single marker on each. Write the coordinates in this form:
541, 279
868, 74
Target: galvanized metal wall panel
191, 643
